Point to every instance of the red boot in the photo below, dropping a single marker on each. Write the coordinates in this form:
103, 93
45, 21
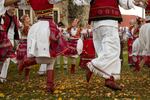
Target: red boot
50, 81
137, 67
110, 83
72, 71
27, 73
137, 62
88, 75
26, 63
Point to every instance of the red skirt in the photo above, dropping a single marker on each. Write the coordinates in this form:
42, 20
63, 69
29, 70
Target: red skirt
22, 49
148, 61
6, 48
88, 52
72, 45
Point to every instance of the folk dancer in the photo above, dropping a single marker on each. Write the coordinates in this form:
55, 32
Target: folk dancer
144, 37
74, 32
44, 41
105, 15
22, 46
6, 48
11, 25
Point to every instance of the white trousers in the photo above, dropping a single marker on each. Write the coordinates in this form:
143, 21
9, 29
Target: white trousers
144, 39
42, 69
136, 50
4, 70
107, 46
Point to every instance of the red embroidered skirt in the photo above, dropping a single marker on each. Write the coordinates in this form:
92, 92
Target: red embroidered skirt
88, 52
22, 49
6, 48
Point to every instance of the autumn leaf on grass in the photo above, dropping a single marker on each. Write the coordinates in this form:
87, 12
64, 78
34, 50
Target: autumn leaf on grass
57, 91
2, 95
60, 98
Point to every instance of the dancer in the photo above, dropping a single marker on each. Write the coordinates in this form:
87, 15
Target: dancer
105, 16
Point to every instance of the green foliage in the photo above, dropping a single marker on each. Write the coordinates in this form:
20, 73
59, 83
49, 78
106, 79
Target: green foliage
74, 11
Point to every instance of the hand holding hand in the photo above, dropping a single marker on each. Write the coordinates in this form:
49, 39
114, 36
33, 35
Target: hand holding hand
140, 3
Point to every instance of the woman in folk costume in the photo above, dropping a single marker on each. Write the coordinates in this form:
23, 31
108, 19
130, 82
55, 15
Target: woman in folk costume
44, 41
136, 54
6, 49
22, 47
65, 34
144, 37
11, 25
130, 40
105, 15
88, 50
134, 30
74, 32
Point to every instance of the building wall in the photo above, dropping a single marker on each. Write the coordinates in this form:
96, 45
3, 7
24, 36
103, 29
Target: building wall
60, 13
127, 19
62, 9
76, 12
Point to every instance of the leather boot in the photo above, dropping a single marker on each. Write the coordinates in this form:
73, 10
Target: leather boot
110, 83
50, 81
72, 70
27, 73
137, 66
26, 63
88, 75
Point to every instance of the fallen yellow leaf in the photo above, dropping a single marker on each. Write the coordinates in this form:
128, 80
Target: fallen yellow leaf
59, 98
2, 95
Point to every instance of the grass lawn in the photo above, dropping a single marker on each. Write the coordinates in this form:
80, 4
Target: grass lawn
74, 87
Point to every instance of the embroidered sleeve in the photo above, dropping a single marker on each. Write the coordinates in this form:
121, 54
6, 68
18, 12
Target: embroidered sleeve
126, 4
54, 1
2, 8
81, 2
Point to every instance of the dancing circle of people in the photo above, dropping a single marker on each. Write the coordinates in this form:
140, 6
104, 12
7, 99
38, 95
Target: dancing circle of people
97, 43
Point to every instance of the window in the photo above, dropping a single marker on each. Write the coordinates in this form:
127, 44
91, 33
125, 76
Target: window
21, 12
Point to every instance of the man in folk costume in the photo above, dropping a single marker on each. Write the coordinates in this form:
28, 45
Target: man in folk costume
11, 25
105, 15
43, 38
5, 44
144, 37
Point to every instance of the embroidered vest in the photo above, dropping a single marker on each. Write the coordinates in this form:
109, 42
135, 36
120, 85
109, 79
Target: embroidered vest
41, 7
104, 9
7, 23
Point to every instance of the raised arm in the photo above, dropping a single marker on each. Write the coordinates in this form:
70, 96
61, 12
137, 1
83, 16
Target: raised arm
128, 4
54, 1
82, 2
